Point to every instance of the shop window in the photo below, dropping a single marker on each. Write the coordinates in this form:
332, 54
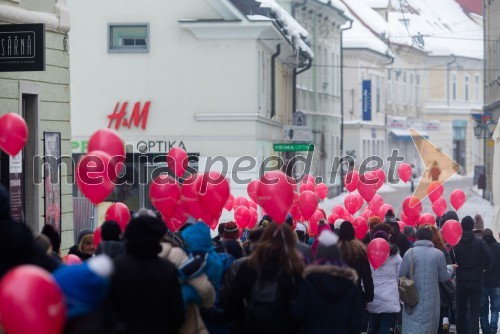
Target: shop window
128, 37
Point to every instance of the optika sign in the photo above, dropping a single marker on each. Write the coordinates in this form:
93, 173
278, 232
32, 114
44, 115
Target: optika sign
138, 118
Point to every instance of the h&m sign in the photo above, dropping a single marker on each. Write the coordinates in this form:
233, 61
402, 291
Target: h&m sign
22, 47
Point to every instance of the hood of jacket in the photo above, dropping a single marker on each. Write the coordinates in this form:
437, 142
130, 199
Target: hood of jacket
197, 238
489, 239
331, 280
467, 236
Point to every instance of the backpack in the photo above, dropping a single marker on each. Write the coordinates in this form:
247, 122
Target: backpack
264, 311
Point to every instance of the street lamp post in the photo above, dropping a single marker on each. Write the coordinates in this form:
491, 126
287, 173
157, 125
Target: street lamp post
484, 129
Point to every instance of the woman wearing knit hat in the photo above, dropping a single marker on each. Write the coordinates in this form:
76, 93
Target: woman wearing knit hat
385, 305
84, 247
330, 287
231, 240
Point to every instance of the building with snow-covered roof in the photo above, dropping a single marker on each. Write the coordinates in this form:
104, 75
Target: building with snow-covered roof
213, 77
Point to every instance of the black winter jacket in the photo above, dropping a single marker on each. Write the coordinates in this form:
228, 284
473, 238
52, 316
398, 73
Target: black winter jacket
492, 275
472, 256
364, 271
329, 301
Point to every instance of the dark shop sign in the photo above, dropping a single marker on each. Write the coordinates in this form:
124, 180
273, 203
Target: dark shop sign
22, 47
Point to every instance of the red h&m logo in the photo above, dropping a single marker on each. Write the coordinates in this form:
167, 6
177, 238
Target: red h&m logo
138, 117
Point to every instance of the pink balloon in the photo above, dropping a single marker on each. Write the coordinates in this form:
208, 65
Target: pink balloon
333, 218
252, 190
383, 210
229, 203
31, 301
307, 187
97, 236
360, 199
322, 190
439, 206
173, 224
275, 195
252, 204
164, 193
177, 161
13, 133
452, 232
367, 214
351, 180
295, 208
367, 186
308, 203
427, 219
351, 203
412, 207
340, 211
239, 201
120, 213
70, 259
401, 226
379, 176
404, 172
360, 225
378, 252
108, 141
435, 190
376, 202
308, 178
457, 198
314, 222
93, 176
214, 192
404, 218
190, 199
242, 216
254, 216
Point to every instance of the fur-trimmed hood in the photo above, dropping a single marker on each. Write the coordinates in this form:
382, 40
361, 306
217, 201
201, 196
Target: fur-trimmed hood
331, 280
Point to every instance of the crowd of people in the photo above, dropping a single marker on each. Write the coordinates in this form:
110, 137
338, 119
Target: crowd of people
271, 279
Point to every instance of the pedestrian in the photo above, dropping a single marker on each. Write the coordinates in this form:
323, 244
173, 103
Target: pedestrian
266, 284
84, 247
145, 293
413, 177
397, 237
473, 256
385, 305
478, 225
434, 172
217, 240
409, 232
429, 268
110, 244
372, 223
329, 299
353, 253
55, 239
231, 240
322, 226
490, 301
303, 248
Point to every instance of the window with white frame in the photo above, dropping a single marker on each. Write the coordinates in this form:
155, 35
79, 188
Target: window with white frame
128, 37
466, 88
454, 86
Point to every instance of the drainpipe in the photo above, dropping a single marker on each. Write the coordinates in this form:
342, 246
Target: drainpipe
342, 101
294, 92
273, 79
448, 78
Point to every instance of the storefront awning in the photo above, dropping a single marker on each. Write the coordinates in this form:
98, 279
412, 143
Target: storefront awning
403, 134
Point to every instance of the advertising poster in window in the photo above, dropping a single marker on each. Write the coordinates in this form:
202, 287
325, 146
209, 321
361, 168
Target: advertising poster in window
16, 187
52, 178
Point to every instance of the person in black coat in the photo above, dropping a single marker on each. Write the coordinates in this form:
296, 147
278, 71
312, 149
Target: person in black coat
110, 244
491, 298
473, 256
145, 293
397, 237
329, 299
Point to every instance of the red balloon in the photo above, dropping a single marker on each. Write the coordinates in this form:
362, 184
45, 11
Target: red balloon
351, 203
164, 193
13, 133
242, 216
120, 213
333, 218
70, 259
404, 172
427, 219
367, 186
97, 236
439, 206
366, 214
376, 202
340, 211
412, 206
173, 224
378, 252
308, 178
31, 301
252, 190
457, 198
403, 217
295, 208
383, 210
252, 204
435, 190
401, 226
379, 176
314, 222
360, 225
239, 201
229, 203
322, 190
307, 187
180, 216
109, 141
452, 232
177, 161
412, 221
254, 216
308, 203
275, 195
93, 176
213, 193
351, 180
190, 201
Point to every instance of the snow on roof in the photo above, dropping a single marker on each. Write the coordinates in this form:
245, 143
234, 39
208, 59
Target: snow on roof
294, 31
377, 3
259, 18
360, 36
335, 3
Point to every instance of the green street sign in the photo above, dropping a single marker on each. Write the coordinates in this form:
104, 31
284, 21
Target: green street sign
285, 147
